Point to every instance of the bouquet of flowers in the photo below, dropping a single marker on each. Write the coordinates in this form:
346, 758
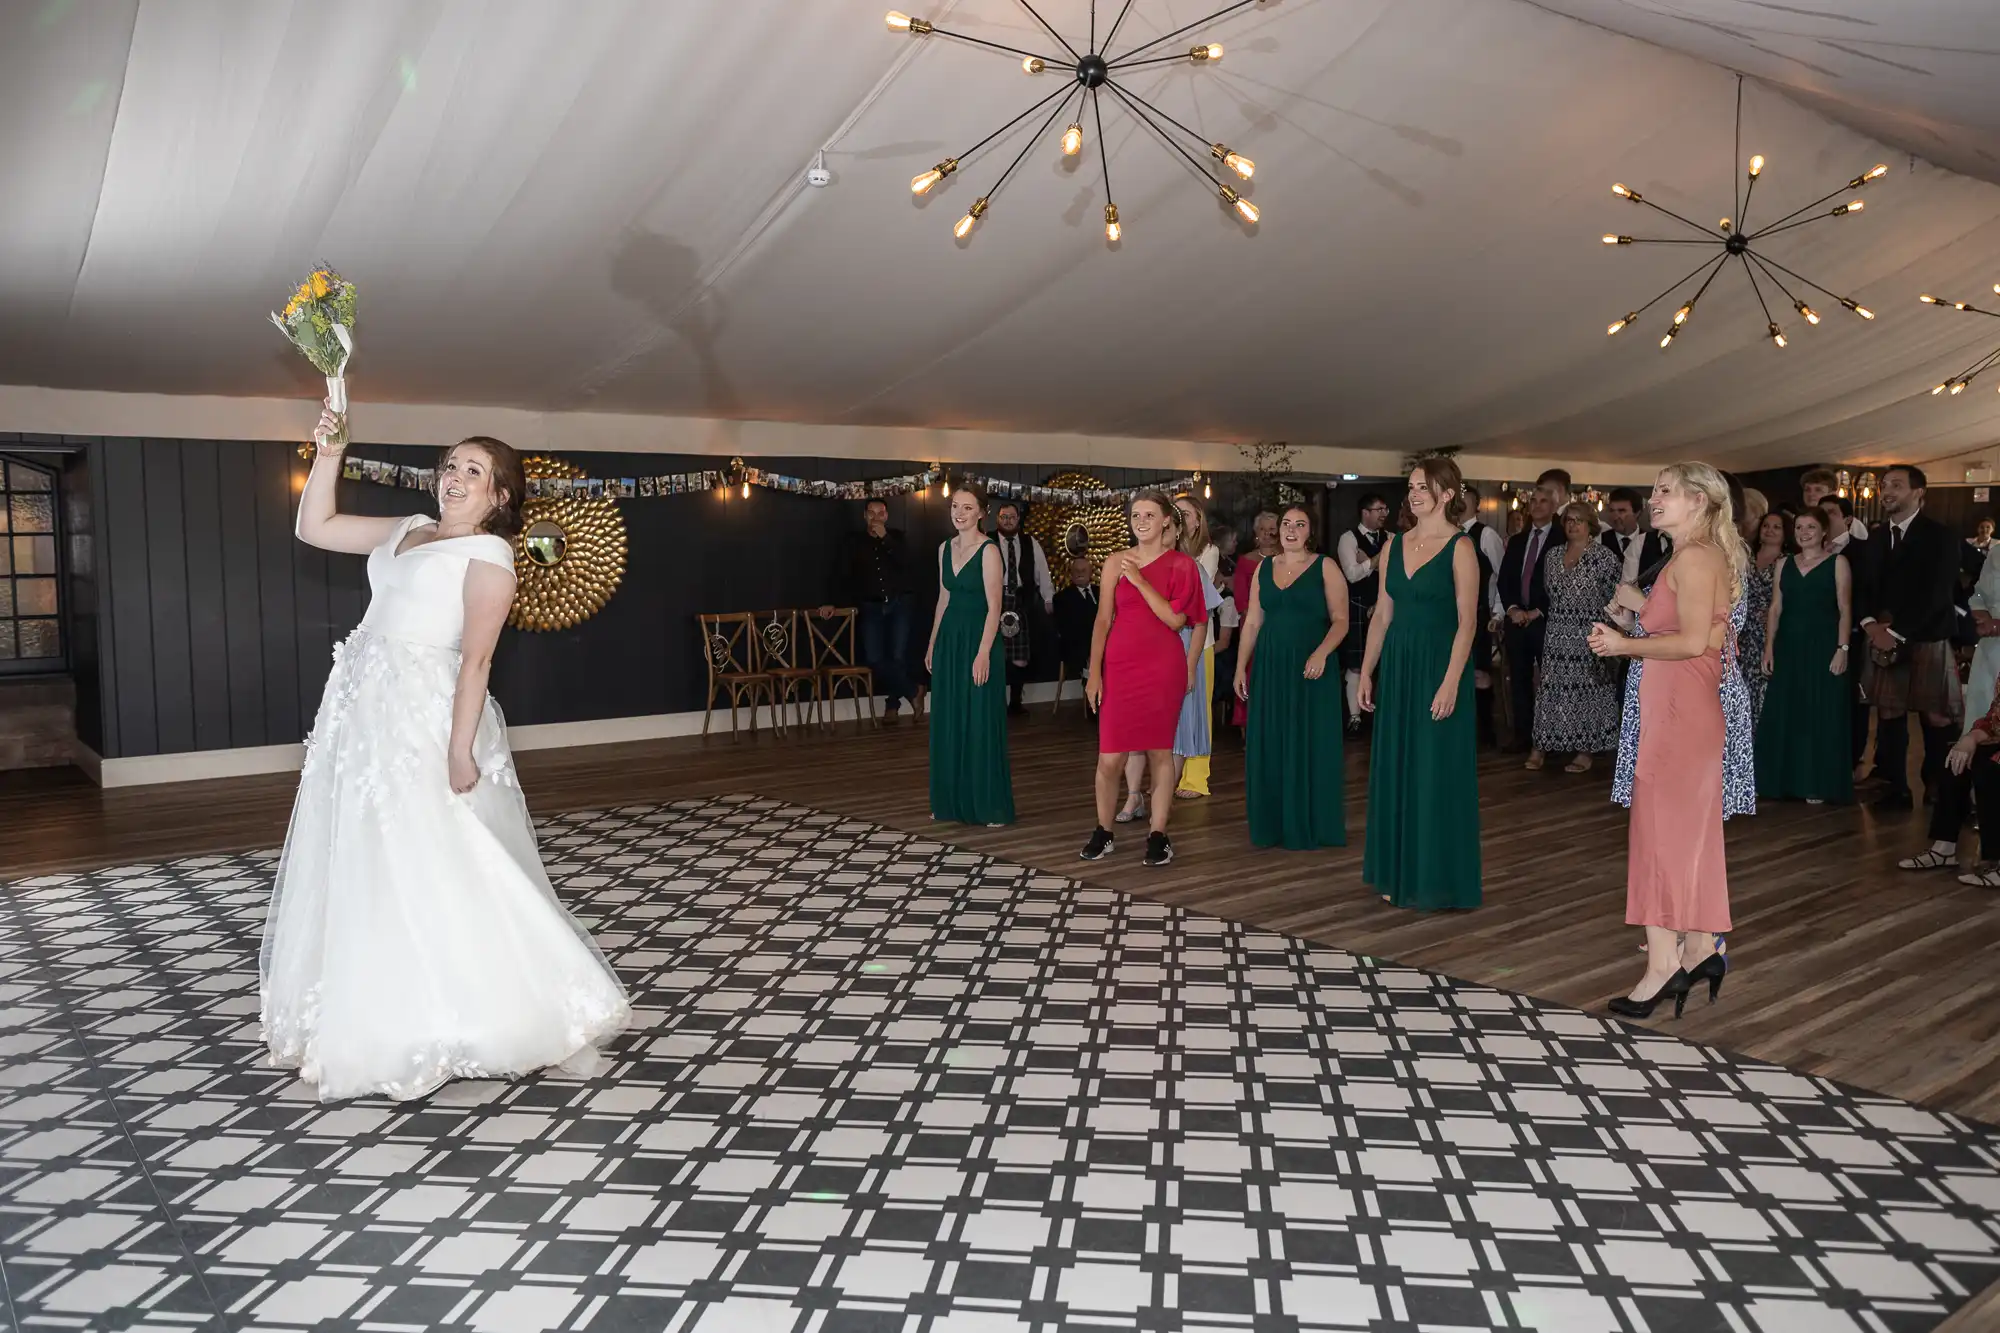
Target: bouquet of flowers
319, 321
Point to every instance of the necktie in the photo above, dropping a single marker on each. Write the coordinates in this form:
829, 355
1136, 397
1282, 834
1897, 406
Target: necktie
1895, 538
1528, 566
1008, 547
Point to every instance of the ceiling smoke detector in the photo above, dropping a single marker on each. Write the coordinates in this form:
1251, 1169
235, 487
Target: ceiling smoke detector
817, 175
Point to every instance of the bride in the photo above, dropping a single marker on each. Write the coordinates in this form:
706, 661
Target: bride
413, 936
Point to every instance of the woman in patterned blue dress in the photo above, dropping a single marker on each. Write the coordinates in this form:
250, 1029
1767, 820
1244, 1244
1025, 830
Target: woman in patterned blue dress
1773, 542
1576, 694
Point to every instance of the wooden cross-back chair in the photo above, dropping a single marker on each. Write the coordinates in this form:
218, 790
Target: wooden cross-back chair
730, 646
790, 658
833, 639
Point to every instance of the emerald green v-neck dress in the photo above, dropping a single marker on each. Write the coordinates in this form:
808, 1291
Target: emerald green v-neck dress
1294, 776
1422, 840
971, 779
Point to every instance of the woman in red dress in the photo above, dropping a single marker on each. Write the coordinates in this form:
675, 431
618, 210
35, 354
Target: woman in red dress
1677, 884
1140, 666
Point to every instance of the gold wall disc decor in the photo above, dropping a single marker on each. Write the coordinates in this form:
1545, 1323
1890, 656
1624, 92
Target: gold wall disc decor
1099, 529
569, 558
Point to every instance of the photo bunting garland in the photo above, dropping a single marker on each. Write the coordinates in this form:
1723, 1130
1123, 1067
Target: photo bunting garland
406, 477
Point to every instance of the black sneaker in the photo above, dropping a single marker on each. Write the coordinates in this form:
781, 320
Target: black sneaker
1099, 845
1159, 851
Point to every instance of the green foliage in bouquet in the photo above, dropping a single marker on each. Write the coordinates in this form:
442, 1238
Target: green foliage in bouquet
323, 300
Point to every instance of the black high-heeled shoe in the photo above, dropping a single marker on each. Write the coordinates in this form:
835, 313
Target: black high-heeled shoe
1676, 988
1711, 969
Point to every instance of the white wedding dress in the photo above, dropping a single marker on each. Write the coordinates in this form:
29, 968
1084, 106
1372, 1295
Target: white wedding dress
413, 936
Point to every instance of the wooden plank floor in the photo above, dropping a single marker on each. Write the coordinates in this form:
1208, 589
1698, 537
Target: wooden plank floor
1845, 966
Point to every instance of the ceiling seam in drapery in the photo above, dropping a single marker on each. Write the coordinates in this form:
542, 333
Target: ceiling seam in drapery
103, 171
596, 380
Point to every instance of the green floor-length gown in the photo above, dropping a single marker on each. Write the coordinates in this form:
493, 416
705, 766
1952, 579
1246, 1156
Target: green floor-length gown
971, 779
1422, 840
1293, 771
1802, 747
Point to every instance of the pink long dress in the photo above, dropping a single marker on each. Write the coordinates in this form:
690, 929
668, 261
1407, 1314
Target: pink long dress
1675, 873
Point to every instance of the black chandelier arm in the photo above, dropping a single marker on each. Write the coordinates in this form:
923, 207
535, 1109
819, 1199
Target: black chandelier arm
1060, 107
1187, 28
1093, 25
1678, 283
1660, 240
1062, 92
1773, 227
1751, 273
1074, 54
996, 46
1790, 226
1180, 59
1944, 303
1735, 188
1165, 138
1706, 231
1705, 281
1776, 281
1743, 209
1103, 145
1203, 141
1116, 24
1801, 277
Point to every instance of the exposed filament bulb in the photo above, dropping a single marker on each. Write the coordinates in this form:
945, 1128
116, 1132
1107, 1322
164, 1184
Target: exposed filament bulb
1811, 315
1756, 165
971, 218
1032, 65
923, 184
1072, 140
1618, 324
1232, 159
1244, 208
1777, 334
1112, 231
1206, 52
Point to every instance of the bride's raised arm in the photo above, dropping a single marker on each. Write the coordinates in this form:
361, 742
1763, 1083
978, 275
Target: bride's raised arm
320, 522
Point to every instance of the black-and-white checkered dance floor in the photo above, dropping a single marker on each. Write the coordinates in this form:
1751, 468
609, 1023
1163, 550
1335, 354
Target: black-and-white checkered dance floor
886, 1084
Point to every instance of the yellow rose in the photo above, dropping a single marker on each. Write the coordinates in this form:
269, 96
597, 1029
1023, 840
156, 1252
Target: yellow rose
321, 288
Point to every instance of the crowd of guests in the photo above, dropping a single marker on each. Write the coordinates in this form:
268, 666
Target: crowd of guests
1718, 648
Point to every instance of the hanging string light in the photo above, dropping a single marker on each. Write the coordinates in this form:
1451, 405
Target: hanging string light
1094, 69
1732, 239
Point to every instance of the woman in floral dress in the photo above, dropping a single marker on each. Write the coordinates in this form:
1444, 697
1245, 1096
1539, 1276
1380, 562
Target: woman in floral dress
1576, 701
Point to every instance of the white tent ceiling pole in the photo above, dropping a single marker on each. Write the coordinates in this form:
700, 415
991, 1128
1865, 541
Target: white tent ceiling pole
768, 218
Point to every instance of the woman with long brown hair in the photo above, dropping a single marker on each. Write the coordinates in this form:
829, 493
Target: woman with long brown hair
413, 936
1140, 667
1677, 881
1422, 841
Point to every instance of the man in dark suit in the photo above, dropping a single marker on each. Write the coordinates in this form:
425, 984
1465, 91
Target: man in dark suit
1903, 599
1524, 590
1076, 617
1621, 522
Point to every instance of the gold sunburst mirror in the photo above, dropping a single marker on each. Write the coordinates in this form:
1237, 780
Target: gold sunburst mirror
1064, 531
570, 556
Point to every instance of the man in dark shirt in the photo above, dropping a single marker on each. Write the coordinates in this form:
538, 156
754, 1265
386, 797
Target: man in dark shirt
1076, 617
872, 573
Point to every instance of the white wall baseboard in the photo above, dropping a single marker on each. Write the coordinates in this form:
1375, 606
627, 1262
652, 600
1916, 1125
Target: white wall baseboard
204, 765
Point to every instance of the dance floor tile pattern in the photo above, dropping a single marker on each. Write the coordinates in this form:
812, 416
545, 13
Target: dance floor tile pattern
882, 1083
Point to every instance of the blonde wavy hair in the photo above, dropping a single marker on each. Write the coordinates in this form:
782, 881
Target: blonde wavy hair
1716, 524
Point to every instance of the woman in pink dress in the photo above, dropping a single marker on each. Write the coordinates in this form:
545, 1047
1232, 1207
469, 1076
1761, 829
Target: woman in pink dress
1140, 666
1677, 885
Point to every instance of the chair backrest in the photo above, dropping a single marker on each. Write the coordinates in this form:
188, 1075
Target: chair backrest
779, 644
833, 637
729, 643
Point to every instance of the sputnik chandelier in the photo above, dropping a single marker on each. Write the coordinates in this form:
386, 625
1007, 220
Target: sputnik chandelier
1957, 383
1094, 72
1733, 239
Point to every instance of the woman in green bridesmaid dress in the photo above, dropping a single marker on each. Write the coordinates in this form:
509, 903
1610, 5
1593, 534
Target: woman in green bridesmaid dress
1802, 746
971, 779
1294, 776
1422, 840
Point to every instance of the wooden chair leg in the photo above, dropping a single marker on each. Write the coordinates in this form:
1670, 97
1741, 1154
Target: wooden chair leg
1062, 674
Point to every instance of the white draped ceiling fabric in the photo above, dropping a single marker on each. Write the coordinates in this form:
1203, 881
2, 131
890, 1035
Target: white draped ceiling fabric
600, 207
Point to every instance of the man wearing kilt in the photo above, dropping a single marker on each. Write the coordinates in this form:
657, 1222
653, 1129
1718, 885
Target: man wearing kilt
1359, 552
1903, 588
1026, 591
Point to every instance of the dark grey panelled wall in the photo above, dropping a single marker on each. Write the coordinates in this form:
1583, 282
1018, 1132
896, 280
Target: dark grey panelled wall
214, 628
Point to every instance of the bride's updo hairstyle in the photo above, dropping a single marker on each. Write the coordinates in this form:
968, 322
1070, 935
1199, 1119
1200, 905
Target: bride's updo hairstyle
509, 482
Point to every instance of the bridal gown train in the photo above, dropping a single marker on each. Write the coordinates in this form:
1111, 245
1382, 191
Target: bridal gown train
413, 936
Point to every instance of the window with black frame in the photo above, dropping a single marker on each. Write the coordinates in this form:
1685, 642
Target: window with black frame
31, 637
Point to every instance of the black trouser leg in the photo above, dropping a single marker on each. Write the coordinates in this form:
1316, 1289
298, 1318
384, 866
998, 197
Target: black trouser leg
1937, 741
1954, 804
1483, 701
1985, 776
1892, 752
1521, 684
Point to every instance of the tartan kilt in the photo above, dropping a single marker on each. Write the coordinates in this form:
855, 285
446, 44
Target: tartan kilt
1019, 646
1924, 679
